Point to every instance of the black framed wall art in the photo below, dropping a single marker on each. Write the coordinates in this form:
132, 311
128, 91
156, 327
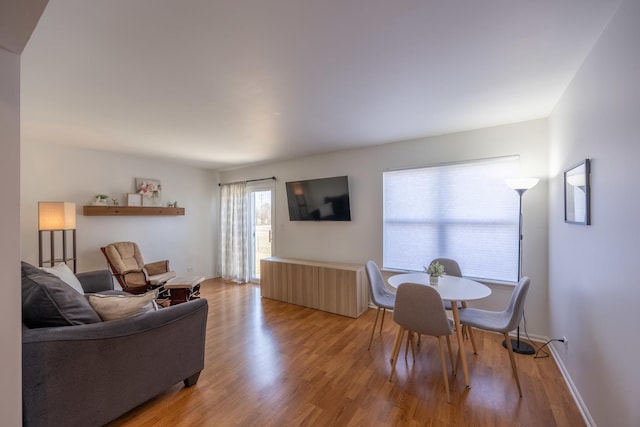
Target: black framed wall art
577, 193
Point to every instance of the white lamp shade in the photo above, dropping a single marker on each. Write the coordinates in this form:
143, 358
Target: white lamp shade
522, 183
56, 216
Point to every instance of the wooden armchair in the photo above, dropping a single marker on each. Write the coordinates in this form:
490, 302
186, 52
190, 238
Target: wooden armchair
127, 265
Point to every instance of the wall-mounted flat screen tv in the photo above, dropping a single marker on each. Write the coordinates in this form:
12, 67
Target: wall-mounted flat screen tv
323, 199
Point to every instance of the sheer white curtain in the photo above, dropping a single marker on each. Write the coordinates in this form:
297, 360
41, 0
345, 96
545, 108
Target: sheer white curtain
233, 232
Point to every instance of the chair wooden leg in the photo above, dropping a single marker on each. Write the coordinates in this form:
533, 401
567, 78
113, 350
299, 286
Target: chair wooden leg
473, 340
453, 368
384, 311
444, 369
513, 361
396, 347
413, 347
468, 332
396, 350
409, 343
373, 330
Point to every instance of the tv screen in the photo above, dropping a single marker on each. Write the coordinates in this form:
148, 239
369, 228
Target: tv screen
323, 199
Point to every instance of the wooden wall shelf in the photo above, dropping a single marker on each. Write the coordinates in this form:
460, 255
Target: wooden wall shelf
92, 210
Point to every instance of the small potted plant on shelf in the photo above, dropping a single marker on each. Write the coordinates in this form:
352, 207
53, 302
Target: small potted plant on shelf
434, 271
101, 199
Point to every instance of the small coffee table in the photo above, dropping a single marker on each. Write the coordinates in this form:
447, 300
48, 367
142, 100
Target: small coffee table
184, 288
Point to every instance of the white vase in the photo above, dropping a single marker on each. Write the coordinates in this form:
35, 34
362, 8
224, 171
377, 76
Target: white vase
433, 280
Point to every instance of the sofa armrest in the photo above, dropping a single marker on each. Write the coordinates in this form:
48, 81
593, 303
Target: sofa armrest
96, 281
130, 360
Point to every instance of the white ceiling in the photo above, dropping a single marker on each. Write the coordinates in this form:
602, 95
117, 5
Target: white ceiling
223, 83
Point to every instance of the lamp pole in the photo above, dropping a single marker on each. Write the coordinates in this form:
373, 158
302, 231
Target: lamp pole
520, 185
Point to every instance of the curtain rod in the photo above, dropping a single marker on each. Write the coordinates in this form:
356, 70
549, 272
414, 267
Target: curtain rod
249, 180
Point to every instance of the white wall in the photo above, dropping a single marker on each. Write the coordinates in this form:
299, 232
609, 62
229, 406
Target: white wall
60, 173
10, 303
593, 275
361, 239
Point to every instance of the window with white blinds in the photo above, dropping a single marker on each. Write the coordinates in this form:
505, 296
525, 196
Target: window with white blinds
463, 211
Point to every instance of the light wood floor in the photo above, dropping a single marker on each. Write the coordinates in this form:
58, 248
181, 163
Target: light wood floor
270, 363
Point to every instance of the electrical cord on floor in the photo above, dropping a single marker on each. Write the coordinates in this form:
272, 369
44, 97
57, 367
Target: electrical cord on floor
541, 349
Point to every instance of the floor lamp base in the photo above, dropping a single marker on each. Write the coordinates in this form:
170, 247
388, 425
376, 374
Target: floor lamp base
520, 347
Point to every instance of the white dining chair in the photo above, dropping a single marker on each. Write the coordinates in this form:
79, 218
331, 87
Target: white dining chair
501, 321
380, 295
419, 308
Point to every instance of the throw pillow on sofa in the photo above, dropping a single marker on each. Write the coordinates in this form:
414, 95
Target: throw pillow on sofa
113, 307
65, 274
49, 301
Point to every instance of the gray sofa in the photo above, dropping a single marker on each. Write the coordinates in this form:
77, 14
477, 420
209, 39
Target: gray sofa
89, 374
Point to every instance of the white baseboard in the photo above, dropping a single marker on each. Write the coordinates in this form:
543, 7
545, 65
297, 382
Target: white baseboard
565, 375
572, 388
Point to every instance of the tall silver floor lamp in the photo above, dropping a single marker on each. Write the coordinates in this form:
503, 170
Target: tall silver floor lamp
520, 185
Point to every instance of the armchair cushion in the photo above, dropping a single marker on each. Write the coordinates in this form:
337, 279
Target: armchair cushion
125, 256
162, 278
48, 301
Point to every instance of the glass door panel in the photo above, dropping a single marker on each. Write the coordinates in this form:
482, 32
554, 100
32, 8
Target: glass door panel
261, 234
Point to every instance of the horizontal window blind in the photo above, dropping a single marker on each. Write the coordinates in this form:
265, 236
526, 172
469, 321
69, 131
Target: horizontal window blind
463, 211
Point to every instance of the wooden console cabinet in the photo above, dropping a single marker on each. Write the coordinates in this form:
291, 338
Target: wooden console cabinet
336, 288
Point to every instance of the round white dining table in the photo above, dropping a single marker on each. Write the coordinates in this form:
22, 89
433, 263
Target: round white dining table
450, 288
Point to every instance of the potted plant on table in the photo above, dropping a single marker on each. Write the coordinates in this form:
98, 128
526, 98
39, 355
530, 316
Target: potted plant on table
435, 270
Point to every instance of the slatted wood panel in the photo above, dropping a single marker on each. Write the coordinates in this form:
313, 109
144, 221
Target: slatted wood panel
302, 284
271, 284
270, 363
336, 288
341, 291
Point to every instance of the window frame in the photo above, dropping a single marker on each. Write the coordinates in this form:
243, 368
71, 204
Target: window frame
503, 227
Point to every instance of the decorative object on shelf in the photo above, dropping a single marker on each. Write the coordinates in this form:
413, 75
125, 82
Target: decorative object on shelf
115, 202
434, 271
134, 199
577, 193
150, 190
520, 185
101, 199
172, 205
52, 217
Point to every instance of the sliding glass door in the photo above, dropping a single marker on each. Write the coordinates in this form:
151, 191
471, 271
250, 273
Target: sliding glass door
260, 220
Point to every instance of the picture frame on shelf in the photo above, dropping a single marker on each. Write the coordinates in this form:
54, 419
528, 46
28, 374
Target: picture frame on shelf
134, 199
577, 193
151, 191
